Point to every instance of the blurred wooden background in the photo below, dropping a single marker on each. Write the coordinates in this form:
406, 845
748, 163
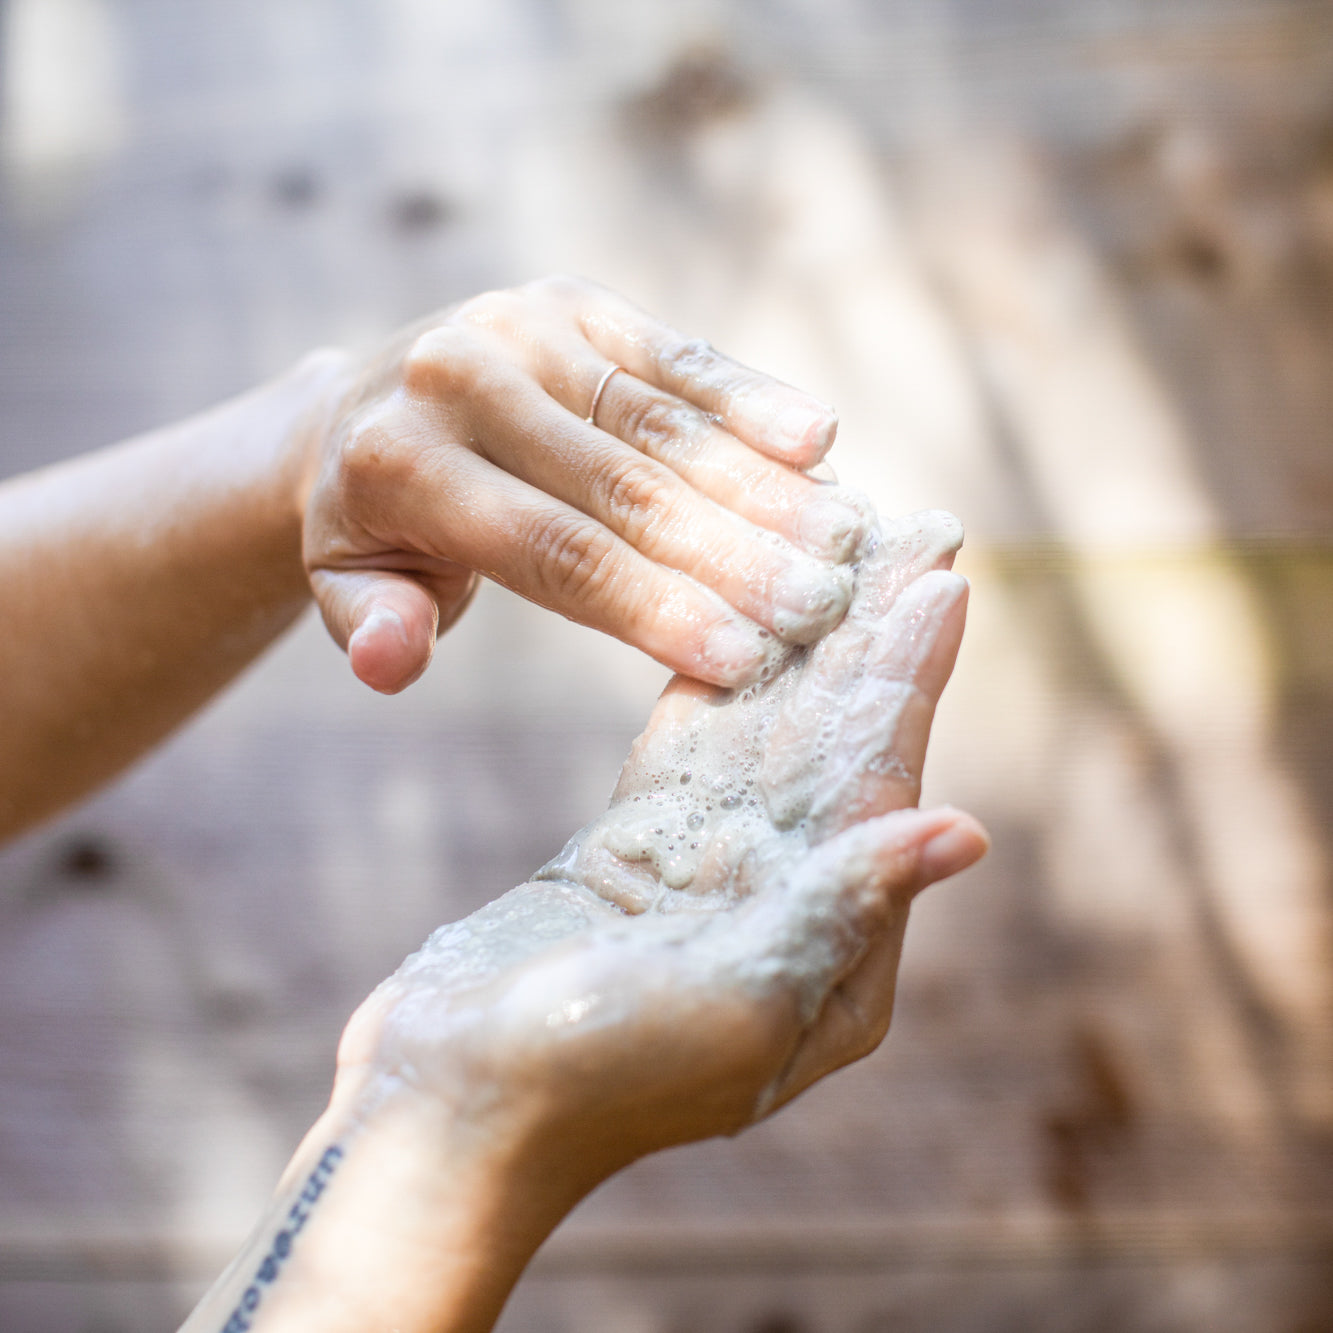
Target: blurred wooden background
1066, 269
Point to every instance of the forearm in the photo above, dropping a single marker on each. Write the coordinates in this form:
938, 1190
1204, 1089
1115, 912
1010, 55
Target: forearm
389, 1218
136, 581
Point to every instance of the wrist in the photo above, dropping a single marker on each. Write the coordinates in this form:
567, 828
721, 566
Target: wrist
316, 389
397, 1211
455, 1198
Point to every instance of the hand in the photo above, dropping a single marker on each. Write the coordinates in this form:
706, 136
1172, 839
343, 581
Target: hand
725, 934
681, 520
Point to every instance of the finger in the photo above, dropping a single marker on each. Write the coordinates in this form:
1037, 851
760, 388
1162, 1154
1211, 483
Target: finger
649, 506
906, 548
452, 587
907, 851
560, 558
822, 519
386, 621
770, 416
880, 745
825, 520
897, 555
831, 709
669, 731
805, 933
850, 741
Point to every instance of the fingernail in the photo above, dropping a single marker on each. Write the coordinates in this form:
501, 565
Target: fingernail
934, 590
735, 652
833, 528
955, 847
811, 430
380, 617
809, 599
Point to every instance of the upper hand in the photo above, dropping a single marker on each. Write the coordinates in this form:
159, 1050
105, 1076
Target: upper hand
464, 450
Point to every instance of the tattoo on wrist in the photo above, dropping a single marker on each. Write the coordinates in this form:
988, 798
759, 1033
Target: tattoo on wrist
267, 1272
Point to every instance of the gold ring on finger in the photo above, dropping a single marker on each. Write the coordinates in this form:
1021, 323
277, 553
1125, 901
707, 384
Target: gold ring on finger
591, 418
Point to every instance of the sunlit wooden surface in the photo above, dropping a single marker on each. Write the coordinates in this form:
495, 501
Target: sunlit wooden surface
1066, 269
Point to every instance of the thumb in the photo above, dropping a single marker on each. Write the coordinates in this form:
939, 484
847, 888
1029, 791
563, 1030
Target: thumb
860, 900
948, 841
848, 891
386, 622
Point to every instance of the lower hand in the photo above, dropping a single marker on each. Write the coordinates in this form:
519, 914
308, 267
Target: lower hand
725, 934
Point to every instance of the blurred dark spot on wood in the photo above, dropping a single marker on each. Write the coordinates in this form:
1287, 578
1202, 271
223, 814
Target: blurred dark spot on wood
418, 210
897, 1320
938, 999
1315, 478
704, 84
1190, 252
778, 1323
1322, 1322
295, 188
1321, 146
1099, 1116
1135, 153
88, 860
1199, 255
268, 1084
233, 1007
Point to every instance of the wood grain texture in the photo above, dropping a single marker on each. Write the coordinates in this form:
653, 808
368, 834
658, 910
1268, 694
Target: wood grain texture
1066, 269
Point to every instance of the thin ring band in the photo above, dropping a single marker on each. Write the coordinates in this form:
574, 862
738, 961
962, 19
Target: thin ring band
591, 418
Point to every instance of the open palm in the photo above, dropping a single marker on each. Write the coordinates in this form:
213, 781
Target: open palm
728, 931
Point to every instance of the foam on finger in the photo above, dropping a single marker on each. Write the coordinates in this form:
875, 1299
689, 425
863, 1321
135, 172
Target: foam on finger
727, 786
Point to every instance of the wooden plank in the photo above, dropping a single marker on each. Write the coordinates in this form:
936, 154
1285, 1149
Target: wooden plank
1066, 269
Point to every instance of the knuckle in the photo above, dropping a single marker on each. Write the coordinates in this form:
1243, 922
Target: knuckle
637, 499
697, 360
445, 359
689, 356
573, 557
564, 288
369, 456
655, 424
500, 310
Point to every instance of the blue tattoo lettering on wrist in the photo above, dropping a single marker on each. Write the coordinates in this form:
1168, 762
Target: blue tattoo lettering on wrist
299, 1213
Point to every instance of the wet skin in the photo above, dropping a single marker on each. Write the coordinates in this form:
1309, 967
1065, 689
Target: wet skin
641, 990
139, 580
637, 1002
682, 518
